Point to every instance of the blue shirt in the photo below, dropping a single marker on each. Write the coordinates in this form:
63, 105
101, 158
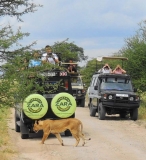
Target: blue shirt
34, 63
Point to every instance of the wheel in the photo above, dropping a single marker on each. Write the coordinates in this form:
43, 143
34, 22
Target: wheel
101, 111
24, 130
92, 110
82, 103
134, 114
17, 127
67, 133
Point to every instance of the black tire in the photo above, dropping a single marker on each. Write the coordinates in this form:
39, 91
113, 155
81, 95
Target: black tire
17, 127
134, 114
82, 103
101, 111
67, 133
24, 130
92, 110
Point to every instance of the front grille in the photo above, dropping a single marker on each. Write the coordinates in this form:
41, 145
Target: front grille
74, 91
121, 100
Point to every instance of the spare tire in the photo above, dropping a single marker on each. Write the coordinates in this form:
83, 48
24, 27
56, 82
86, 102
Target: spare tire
35, 106
63, 105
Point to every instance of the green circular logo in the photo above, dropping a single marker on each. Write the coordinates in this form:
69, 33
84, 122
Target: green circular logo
35, 106
63, 105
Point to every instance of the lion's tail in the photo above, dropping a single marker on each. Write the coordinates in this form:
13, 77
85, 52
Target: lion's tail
82, 132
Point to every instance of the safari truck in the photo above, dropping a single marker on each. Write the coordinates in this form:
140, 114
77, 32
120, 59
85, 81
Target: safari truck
78, 87
113, 94
55, 102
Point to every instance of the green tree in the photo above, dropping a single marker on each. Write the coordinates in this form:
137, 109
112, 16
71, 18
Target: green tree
17, 8
135, 51
88, 70
68, 50
11, 59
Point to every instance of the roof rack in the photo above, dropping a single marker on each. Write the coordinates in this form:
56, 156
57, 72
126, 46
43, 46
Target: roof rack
62, 63
100, 59
117, 58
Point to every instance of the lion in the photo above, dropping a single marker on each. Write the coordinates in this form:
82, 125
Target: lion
57, 126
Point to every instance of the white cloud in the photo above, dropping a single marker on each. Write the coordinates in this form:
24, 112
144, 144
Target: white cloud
99, 27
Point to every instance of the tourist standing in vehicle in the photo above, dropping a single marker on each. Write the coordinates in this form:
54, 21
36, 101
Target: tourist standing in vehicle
36, 61
49, 56
72, 67
106, 69
119, 70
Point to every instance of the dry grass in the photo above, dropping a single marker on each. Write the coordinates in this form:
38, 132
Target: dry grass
142, 108
5, 148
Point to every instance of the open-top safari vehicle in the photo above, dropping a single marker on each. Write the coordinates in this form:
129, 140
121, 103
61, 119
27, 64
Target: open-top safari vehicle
52, 100
112, 94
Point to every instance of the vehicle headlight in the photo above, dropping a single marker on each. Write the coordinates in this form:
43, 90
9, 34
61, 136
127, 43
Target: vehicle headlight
110, 97
131, 98
79, 92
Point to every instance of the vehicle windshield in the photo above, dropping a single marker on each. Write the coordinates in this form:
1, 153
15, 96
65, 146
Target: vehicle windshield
116, 84
76, 81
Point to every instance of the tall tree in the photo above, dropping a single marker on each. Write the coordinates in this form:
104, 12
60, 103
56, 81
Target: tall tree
135, 51
68, 50
9, 39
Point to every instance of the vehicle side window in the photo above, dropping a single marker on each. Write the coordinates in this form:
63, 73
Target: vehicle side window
93, 79
95, 82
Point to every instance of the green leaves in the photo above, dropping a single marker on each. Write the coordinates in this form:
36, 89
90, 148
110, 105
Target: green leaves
135, 51
69, 50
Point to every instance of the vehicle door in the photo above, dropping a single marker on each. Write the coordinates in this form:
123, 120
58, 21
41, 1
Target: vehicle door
92, 91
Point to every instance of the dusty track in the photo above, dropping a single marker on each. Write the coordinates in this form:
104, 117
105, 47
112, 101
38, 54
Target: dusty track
111, 139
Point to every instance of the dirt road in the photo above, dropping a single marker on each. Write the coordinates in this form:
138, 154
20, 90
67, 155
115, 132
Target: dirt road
111, 139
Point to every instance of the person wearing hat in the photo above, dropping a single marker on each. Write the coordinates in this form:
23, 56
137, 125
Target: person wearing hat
119, 70
49, 56
106, 69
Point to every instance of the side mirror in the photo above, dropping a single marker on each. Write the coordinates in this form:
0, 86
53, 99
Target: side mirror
95, 87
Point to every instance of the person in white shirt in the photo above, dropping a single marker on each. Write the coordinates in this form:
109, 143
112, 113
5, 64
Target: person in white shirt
49, 56
106, 69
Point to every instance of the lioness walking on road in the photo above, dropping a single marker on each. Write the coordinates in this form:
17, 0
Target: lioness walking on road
57, 126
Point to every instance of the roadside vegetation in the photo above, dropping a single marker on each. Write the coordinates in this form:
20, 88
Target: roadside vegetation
142, 109
6, 150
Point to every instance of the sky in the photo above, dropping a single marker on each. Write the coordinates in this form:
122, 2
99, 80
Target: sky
100, 27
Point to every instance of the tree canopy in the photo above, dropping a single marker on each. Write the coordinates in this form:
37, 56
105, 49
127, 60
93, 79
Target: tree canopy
11, 51
16, 8
69, 50
135, 51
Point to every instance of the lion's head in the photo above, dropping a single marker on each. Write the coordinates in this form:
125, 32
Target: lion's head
37, 126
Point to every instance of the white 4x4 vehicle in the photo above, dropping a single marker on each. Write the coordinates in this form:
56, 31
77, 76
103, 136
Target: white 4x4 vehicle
78, 88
